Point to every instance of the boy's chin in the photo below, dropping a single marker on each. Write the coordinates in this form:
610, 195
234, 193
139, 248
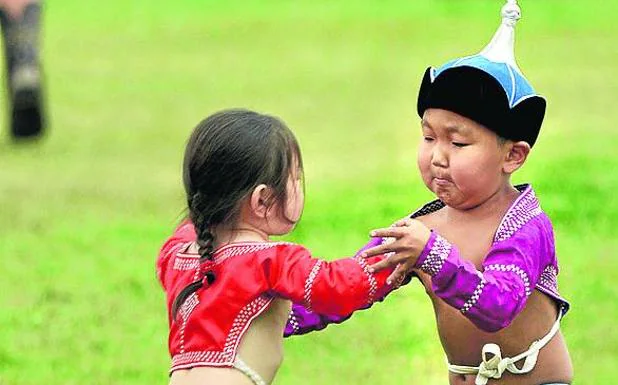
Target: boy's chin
448, 198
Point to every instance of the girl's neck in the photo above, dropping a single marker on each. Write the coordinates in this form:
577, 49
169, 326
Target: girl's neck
496, 204
242, 232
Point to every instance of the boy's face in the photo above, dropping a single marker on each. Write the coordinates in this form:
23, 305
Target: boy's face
461, 161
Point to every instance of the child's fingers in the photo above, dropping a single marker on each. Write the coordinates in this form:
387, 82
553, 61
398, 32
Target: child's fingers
383, 264
396, 276
395, 232
392, 259
381, 249
375, 250
403, 222
399, 274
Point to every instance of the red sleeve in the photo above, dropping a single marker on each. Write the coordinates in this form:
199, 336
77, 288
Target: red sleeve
185, 232
339, 287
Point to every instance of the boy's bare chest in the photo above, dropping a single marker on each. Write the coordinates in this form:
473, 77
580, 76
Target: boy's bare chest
473, 240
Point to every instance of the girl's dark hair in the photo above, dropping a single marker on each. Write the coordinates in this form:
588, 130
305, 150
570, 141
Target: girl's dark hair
227, 156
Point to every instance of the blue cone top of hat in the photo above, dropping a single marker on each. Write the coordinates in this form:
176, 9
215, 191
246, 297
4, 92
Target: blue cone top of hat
488, 87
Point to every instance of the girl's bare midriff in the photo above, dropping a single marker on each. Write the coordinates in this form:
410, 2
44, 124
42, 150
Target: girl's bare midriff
261, 348
463, 341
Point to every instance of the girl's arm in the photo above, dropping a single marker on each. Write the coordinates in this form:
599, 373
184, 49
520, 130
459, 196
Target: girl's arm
302, 320
185, 232
337, 288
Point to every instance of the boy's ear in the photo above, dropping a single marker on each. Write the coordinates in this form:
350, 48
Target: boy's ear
258, 201
516, 156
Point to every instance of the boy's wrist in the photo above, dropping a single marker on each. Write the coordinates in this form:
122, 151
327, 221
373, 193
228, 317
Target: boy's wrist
426, 250
435, 252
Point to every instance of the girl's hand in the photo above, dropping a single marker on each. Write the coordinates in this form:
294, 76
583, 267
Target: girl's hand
409, 238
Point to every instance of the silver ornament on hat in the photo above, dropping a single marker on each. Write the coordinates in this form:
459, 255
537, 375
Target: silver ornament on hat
501, 48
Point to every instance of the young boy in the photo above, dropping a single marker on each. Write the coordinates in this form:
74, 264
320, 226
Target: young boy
489, 263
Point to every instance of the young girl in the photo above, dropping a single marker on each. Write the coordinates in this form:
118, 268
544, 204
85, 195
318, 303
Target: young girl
489, 264
229, 289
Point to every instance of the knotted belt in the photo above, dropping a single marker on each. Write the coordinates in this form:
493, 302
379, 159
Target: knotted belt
493, 365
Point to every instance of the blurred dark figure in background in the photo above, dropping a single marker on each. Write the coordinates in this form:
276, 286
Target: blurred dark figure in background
20, 20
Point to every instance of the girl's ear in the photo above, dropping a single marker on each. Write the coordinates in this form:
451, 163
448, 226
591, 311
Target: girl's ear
258, 201
516, 156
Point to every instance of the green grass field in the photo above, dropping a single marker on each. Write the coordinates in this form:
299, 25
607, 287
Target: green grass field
82, 214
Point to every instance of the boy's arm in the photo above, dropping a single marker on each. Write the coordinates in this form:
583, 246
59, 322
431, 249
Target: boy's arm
490, 298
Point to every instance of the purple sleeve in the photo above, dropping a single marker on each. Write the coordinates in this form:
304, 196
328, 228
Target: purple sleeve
302, 321
493, 297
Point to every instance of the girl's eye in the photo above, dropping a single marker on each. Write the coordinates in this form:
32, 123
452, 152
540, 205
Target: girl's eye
458, 144
428, 139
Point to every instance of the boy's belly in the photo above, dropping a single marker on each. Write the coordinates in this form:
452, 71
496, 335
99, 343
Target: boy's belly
463, 341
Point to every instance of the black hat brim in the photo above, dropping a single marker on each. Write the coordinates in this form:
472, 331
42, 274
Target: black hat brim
475, 94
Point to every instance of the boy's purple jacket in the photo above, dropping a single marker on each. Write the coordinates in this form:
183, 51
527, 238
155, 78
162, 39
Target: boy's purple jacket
522, 258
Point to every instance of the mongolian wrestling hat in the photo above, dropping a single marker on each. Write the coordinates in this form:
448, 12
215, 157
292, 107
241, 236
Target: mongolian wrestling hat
488, 87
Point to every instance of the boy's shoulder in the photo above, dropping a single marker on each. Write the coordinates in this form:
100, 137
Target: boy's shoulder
524, 212
525, 215
428, 209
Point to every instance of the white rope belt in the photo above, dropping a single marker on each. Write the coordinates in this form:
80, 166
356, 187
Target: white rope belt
248, 371
495, 366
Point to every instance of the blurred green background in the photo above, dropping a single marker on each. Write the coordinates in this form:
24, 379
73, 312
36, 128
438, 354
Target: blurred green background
82, 213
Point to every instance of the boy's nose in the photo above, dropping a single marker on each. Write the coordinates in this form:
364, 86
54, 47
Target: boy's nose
439, 157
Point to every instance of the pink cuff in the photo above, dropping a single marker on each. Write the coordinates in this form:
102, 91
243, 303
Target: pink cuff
435, 252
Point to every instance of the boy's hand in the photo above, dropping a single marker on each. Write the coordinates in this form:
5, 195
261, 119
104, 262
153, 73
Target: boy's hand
410, 237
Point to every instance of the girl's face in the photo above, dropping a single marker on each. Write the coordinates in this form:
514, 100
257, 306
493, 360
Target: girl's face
296, 198
282, 219
460, 160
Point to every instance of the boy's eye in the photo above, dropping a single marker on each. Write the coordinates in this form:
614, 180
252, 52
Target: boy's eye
459, 144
